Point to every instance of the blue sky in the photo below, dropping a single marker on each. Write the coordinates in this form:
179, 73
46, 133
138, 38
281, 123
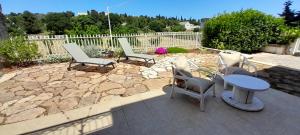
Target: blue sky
186, 8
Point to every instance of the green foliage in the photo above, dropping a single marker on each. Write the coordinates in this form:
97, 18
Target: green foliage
18, 51
53, 58
157, 26
177, 28
92, 51
31, 24
58, 23
287, 35
196, 30
93, 23
245, 31
176, 50
119, 53
290, 17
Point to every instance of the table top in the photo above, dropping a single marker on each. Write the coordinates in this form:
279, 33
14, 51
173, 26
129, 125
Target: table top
247, 82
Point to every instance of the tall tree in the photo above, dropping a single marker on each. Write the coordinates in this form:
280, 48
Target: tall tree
3, 30
58, 23
30, 23
288, 14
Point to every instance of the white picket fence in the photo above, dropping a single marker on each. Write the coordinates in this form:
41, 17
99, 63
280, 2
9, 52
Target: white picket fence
142, 42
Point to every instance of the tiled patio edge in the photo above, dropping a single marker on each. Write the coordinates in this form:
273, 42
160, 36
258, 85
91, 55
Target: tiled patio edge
68, 116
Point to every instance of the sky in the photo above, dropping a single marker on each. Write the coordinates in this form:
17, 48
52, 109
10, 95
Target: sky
186, 8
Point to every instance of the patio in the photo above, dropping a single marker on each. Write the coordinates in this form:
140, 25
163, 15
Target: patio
48, 89
154, 112
49, 99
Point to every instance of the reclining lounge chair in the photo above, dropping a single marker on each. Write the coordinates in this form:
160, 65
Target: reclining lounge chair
78, 56
129, 53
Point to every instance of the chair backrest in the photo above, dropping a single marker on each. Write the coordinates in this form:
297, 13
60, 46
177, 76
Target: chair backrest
181, 67
230, 58
126, 46
75, 51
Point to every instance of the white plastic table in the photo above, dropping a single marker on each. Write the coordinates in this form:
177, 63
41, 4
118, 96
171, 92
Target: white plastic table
242, 96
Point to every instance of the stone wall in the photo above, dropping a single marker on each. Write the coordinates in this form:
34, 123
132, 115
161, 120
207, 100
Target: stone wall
281, 78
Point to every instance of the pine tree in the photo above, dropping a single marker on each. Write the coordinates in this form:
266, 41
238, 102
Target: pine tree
288, 14
3, 30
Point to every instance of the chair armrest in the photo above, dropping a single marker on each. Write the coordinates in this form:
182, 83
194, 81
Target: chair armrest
249, 64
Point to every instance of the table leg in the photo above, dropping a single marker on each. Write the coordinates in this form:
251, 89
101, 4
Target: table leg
242, 96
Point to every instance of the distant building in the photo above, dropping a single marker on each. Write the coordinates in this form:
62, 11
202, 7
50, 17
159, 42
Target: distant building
82, 13
188, 26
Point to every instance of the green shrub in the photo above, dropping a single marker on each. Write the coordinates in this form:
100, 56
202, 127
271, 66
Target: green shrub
245, 30
53, 58
287, 36
119, 52
18, 51
176, 50
92, 51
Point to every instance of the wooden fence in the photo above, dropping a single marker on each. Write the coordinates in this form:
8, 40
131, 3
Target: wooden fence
144, 42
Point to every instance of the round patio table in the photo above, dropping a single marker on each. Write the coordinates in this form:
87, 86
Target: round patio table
242, 96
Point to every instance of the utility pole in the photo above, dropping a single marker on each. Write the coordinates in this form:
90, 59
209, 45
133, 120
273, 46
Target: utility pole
107, 13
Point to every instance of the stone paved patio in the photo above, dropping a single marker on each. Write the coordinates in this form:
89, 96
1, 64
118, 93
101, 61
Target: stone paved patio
48, 89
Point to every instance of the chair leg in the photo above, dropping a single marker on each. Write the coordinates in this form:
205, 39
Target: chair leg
172, 92
214, 90
69, 68
202, 104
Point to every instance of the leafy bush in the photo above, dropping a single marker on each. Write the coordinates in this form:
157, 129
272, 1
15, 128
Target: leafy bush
119, 52
176, 50
92, 51
18, 51
53, 58
245, 30
287, 35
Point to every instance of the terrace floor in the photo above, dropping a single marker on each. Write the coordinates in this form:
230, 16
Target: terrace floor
153, 112
48, 95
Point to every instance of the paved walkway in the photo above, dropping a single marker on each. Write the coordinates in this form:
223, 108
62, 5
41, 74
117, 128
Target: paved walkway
275, 59
153, 113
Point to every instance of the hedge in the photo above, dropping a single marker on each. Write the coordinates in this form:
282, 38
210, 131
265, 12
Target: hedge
245, 30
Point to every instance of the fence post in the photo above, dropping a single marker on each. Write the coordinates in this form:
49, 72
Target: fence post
197, 39
173, 37
67, 39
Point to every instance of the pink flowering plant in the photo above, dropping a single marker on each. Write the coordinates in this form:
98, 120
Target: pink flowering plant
161, 50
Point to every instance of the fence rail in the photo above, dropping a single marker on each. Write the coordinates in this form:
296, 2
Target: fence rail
144, 42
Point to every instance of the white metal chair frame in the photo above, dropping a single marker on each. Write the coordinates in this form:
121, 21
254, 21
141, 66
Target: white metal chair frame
201, 96
243, 62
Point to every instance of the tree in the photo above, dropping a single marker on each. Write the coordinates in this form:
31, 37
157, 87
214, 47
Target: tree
3, 30
177, 28
58, 23
157, 26
30, 23
288, 14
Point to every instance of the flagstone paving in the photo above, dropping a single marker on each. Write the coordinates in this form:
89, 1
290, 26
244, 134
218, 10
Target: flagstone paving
47, 89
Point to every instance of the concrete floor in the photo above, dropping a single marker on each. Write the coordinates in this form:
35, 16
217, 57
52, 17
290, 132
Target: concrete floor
182, 116
289, 61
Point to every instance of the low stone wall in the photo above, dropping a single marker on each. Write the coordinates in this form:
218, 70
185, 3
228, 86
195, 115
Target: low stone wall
276, 49
281, 78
